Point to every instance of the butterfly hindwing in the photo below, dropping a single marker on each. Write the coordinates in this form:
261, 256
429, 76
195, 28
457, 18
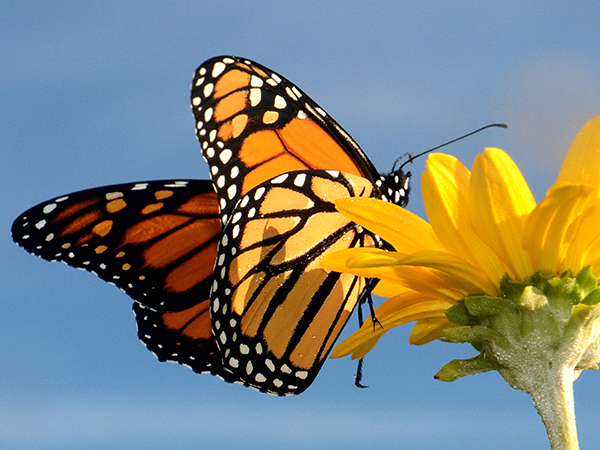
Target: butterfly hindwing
183, 337
254, 124
275, 312
155, 240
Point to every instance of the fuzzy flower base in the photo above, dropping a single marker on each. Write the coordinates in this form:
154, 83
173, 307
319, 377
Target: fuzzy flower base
539, 335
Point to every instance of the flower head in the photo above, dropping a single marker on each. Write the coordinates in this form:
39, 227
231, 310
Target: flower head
484, 227
515, 279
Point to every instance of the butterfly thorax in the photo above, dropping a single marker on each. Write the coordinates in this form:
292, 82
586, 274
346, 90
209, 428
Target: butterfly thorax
395, 187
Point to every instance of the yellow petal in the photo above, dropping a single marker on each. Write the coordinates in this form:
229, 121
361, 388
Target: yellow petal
357, 261
401, 301
445, 187
406, 231
395, 311
584, 246
549, 228
583, 159
361, 349
427, 330
499, 202
457, 272
388, 288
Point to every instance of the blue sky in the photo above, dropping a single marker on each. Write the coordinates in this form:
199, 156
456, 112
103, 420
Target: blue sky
97, 93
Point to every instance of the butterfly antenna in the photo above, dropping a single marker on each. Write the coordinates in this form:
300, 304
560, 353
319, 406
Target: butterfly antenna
411, 157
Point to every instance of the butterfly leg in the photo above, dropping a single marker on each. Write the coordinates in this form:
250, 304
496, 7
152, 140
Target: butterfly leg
369, 299
366, 297
358, 377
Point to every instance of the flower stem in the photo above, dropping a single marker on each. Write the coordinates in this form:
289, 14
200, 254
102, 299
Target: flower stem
554, 403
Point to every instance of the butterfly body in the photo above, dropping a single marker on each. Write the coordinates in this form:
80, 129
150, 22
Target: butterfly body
225, 275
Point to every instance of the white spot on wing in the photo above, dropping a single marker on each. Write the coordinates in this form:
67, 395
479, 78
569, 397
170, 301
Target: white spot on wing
280, 179
303, 374
300, 180
231, 191
225, 156
255, 96
113, 195
291, 93
218, 69
279, 102
49, 208
259, 193
260, 378
256, 81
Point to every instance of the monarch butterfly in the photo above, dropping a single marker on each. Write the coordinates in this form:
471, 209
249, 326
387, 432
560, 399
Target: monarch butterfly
225, 275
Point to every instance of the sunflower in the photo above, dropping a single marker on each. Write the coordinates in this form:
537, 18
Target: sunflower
516, 279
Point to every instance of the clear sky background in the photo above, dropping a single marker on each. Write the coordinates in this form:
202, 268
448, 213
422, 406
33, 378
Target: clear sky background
96, 93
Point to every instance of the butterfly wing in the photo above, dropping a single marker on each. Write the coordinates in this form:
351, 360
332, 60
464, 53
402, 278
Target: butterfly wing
275, 312
253, 125
157, 241
184, 337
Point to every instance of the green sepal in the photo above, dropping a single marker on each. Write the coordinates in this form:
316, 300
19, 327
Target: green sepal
586, 280
486, 306
565, 289
459, 368
593, 298
459, 315
510, 288
476, 335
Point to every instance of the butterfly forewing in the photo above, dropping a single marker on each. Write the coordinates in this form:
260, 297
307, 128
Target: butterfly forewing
155, 240
276, 313
253, 125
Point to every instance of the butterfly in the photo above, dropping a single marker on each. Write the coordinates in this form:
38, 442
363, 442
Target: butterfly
225, 274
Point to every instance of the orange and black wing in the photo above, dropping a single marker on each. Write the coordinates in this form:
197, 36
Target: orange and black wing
157, 241
183, 337
275, 312
253, 125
